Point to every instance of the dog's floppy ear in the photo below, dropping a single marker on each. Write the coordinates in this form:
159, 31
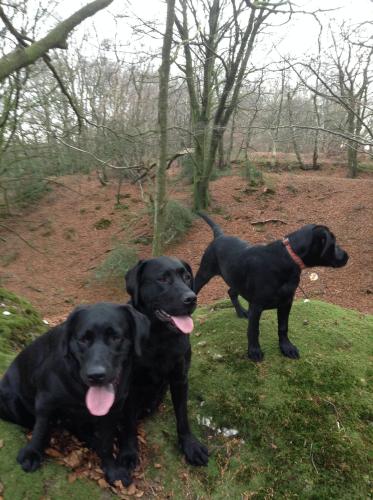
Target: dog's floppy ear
328, 241
70, 326
189, 269
132, 281
140, 325
301, 240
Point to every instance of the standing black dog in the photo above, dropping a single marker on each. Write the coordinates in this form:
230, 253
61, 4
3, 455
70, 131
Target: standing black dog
78, 372
161, 288
267, 276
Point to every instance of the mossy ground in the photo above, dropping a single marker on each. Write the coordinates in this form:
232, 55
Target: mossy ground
305, 427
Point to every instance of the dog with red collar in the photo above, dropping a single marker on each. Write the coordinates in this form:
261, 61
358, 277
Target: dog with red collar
267, 276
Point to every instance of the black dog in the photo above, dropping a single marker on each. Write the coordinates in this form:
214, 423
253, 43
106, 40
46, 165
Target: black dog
161, 288
78, 372
267, 276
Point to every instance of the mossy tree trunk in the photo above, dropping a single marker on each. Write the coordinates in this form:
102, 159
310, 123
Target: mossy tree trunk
160, 199
55, 39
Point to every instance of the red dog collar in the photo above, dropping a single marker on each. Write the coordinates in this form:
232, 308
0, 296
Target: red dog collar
292, 254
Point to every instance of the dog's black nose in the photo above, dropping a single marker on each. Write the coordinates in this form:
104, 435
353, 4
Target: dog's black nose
96, 374
190, 298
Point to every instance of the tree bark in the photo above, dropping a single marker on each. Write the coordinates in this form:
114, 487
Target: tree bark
56, 39
160, 199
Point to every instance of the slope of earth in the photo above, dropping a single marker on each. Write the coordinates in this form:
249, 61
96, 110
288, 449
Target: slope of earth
278, 429
75, 225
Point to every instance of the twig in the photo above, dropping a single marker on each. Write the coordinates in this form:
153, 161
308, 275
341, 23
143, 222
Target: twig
63, 185
21, 238
312, 460
254, 223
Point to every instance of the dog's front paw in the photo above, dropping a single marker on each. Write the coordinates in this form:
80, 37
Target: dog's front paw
116, 472
289, 350
129, 458
29, 458
255, 354
195, 452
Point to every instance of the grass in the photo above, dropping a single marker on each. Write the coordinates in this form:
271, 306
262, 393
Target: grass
365, 167
305, 428
117, 263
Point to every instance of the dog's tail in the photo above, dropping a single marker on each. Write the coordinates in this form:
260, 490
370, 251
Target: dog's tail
215, 227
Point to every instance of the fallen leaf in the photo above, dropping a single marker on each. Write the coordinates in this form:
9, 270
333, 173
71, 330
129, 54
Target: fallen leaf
131, 490
103, 483
74, 459
72, 477
158, 466
139, 494
52, 452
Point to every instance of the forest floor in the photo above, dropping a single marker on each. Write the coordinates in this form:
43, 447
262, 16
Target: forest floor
69, 237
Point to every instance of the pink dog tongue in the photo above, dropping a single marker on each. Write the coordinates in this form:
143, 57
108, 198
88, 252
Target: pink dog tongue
183, 323
99, 399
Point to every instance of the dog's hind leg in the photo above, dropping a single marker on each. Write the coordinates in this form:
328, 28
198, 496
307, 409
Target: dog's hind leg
241, 313
254, 351
287, 348
207, 269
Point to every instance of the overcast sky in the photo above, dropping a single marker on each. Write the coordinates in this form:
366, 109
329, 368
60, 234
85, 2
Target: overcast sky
298, 37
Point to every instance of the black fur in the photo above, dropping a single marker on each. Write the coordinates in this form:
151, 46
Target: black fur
266, 275
48, 381
161, 284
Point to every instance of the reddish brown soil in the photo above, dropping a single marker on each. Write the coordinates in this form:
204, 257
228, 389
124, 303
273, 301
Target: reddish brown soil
61, 227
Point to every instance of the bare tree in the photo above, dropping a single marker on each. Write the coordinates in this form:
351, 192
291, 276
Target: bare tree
346, 78
221, 51
160, 199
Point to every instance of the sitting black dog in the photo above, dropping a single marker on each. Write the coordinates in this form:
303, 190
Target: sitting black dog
161, 288
78, 372
267, 276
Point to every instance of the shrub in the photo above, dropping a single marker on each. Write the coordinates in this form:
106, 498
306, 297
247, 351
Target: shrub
179, 218
117, 263
102, 224
187, 169
253, 176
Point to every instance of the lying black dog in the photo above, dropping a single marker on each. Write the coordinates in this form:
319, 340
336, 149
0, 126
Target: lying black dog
78, 372
267, 276
161, 288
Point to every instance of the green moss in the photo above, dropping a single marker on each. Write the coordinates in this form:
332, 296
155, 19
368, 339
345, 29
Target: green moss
18, 328
305, 427
102, 223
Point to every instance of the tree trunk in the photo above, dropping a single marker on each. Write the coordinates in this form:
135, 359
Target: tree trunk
160, 199
292, 129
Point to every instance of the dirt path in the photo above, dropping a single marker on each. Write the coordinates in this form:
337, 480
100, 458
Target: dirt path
64, 227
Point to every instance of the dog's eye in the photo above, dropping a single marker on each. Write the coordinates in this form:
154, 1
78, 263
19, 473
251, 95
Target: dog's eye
187, 277
164, 279
85, 339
